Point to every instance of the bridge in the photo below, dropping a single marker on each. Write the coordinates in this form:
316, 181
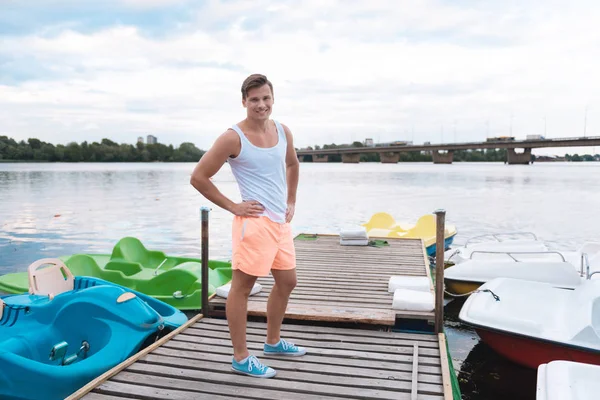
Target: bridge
443, 153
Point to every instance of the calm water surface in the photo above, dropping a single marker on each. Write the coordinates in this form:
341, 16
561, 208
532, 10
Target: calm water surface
48, 210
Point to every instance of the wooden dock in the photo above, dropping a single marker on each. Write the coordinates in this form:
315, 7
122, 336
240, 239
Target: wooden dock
340, 364
344, 283
335, 284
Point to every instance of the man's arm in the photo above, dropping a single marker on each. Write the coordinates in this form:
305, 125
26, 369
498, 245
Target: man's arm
292, 174
210, 163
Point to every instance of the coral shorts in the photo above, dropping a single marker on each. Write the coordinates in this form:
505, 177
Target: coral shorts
260, 245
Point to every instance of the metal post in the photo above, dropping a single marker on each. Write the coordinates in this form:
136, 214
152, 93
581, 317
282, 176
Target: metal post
204, 283
439, 270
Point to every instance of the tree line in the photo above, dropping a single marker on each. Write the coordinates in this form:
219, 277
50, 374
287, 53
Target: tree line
105, 151
585, 157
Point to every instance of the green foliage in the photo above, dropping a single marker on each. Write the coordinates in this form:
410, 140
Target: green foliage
105, 151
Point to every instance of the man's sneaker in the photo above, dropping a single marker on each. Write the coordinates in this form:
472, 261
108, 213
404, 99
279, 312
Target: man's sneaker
252, 367
284, 348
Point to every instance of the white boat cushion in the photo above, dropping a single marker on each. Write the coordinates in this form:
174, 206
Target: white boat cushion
223, 291
359, 232
413, 300
420, 283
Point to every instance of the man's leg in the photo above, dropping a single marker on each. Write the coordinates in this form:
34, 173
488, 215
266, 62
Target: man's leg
237, 312
285, 282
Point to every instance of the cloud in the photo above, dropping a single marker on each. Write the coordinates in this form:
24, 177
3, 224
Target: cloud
342, 70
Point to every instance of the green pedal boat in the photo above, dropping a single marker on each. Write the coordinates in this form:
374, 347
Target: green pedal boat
174, 280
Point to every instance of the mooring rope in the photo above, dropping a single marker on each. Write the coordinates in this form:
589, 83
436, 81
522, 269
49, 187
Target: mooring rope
496, 297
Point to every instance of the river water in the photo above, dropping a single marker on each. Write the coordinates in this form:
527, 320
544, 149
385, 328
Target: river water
48, 210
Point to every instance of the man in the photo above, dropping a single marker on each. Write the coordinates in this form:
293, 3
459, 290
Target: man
263, 160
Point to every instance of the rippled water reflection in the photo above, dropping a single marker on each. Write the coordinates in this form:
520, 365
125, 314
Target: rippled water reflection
49, 210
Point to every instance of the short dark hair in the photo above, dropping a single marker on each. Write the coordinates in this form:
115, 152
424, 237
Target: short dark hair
255, 81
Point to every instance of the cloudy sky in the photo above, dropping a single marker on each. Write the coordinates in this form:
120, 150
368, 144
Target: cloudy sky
438, 71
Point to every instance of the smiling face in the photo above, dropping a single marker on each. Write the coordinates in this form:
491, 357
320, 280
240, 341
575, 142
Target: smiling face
259, 102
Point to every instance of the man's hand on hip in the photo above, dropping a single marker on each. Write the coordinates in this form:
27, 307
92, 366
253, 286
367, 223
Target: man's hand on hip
289, 213
250, 208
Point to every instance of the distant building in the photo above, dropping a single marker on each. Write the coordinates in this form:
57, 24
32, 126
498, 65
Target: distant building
140, 140
369, 142
151, 139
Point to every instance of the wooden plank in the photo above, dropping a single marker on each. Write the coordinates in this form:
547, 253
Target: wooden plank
330, 352
345, 272
367, 263
350, 286
380, 252
98, 396
295, 301
113, 371
342, 293
298, 296
390, 366
250, 384
330, 313
216, 371
445, 367
376, 251
223, 331
363, 258
428, 269
332, 330
371, 282
415, 373
381, 270
150, 387
218, 387
312, 344
403, 372
388, 257
159, 387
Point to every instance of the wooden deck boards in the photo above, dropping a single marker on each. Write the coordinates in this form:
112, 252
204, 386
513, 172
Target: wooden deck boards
344, 283
341, 363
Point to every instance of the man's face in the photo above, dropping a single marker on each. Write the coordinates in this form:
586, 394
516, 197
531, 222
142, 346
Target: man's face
259, 102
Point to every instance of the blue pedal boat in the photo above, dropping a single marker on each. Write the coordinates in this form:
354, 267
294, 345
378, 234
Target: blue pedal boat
67, 331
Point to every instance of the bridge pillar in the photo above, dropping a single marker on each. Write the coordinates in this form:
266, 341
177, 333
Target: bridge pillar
442, 158
351, 158
320, 158
389, 158
513, 158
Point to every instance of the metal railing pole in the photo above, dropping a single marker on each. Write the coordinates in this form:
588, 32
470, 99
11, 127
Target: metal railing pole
204, 256
439, 270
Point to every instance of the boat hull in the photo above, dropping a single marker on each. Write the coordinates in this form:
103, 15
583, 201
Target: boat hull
461, 287
447, 243
532, 353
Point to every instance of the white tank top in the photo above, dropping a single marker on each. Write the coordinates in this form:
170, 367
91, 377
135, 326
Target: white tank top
261, 174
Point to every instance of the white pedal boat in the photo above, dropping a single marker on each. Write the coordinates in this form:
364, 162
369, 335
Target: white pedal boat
484, 245
567, 380
466, 277
521, 251
533, 323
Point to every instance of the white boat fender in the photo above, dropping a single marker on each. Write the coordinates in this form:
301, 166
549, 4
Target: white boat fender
223, 291
413, 300
420, 283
